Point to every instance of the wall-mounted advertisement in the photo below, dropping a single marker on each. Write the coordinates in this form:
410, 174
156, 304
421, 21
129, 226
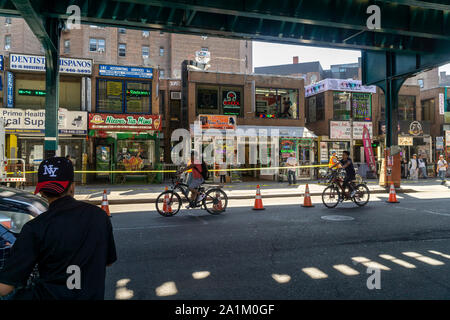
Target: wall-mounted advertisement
24, 62
33, 121
342, 129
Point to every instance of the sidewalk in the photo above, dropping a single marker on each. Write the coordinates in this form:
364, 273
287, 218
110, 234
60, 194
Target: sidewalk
125, 194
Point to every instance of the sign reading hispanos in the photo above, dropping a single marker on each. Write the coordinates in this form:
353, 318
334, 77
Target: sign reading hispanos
26, 62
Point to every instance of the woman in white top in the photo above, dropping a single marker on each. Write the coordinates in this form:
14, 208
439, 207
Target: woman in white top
442, 168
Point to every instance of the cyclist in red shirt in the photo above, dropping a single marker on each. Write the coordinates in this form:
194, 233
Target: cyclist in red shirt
197, 178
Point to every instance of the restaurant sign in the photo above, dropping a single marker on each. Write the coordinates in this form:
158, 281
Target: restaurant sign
124, 122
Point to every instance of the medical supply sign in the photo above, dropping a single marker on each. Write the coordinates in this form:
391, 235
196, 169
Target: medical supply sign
33, 121
25, 62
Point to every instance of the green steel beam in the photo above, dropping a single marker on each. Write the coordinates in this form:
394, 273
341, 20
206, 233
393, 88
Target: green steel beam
421, 4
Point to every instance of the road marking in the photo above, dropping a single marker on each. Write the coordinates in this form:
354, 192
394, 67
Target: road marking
423, 258
369, 264
150, 227
438, 213
315, 273
346, 270
400, 262
337, 218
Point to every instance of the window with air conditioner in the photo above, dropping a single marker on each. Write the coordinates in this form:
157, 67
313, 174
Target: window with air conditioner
66, 46
161, 73
7, 21
161, 51
145, 34
96, 45
122, 30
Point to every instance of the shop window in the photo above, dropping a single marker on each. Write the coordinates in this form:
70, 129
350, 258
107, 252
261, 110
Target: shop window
276, 103
8, 42
134, 154
207, 100
428, 107
406, 108
109, 96
30, 94
122, 49
341, 106
362, 106
315, 108
96, 45
66, 46
145, 51
138, 97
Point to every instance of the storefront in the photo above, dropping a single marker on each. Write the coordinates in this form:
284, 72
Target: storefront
333, 108
125, 143
26, 130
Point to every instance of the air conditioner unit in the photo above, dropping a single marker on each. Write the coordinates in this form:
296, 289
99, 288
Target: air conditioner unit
145, 56
101, 50
175, 95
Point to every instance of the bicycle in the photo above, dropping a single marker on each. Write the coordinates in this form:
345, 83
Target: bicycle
335, 192
169, 202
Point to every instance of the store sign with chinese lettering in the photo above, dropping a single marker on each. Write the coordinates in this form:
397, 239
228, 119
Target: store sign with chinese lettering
441, 103
24, 62
33, 121
126, 72
342, 129
338, 85
124, 122
231, 102
209, 121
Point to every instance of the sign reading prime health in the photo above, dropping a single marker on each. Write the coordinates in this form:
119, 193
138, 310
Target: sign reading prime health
25, 62
125, 72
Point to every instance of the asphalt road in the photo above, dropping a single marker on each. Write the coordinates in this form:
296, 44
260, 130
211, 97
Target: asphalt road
285, 251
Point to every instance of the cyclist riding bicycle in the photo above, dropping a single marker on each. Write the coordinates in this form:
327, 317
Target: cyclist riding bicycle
197, 178
350, 174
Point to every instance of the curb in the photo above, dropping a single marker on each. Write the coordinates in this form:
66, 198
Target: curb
244, 197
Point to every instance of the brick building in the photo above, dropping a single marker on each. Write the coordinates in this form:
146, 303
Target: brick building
130, 47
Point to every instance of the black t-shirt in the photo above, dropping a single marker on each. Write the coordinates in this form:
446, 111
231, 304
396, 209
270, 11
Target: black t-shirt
71, 232
350, 170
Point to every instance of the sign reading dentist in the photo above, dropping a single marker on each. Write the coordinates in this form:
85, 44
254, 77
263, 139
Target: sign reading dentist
24, 62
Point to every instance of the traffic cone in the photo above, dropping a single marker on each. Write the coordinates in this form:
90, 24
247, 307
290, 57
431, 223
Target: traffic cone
392, 195
218, 206
105, 205
307, 201
167, 207
258, 201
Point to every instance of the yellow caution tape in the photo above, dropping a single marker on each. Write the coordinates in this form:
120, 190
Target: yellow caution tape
174, 171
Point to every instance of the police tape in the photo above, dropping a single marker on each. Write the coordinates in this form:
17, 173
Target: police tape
174, 171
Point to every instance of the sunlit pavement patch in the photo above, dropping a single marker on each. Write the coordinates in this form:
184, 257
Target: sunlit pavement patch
337, 218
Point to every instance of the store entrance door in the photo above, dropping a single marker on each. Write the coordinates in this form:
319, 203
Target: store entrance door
304, 159
103, 161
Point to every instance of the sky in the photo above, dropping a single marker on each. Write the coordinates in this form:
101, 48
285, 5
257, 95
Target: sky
268, 54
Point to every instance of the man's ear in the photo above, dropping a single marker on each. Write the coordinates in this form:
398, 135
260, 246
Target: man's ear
72, 189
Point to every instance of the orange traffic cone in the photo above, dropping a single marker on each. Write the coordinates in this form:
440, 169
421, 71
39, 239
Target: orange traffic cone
167, 207
105, 205
392, 195
307, 201
218, 206
258, 201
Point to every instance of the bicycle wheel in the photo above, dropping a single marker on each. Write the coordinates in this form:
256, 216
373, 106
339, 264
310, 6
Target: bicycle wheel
331, 196
362, 195
216, 201
168, 203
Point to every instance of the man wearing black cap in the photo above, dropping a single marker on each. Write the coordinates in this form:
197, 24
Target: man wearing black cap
71, 243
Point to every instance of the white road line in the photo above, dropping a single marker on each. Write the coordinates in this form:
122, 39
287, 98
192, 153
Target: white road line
438, 213
150, 227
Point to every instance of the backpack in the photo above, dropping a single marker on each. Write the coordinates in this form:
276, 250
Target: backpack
205, 171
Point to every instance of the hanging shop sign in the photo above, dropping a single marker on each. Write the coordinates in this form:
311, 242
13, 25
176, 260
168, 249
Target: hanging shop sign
1, 62
125, 72
323, 151
441, 104
439, 143
405, 141
338, 85
33, 121
342, 129
9, 89
124, 122
447, 138
209, 121
24, 62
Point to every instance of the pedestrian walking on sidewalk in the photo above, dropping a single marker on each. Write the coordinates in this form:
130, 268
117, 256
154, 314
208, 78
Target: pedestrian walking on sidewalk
223, 172
291, 162
413, 168
442, 166
423, 166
